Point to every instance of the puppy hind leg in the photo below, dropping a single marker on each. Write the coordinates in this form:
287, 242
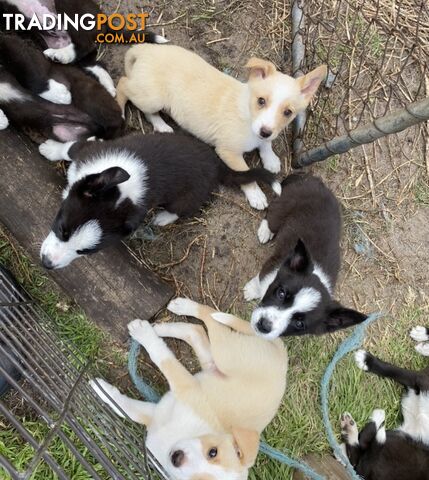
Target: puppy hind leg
136, 410
164, 218
193, 335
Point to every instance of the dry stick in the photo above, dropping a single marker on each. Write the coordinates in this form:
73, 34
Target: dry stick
426, 150
370, 177
394, 122
203, 261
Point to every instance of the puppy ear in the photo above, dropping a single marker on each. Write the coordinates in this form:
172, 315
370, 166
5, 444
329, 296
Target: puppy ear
310, 83
299, 260
247, 445
339, 317
100, 182
259, 68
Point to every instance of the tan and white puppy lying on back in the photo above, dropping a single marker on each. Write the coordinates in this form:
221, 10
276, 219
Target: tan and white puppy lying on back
232, 116
207, 427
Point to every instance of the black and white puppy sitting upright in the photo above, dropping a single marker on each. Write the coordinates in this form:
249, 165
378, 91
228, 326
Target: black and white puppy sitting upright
112, 185
296, 283
401, 454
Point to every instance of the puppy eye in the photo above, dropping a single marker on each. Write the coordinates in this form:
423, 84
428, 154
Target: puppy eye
281, 294
299, 321
287, 113
261, 101
212, 453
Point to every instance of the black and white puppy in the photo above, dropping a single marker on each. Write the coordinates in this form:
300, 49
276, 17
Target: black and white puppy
60, 84
71, 46
401, 454
23, 109
112, 185
296, 283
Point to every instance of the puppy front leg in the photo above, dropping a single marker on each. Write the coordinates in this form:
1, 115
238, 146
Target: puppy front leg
56, 151
178, 378
136, 410
269, 159
4, 121
255, 196
256, 288
158, 123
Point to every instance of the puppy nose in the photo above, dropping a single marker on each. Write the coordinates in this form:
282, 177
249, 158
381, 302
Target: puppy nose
177, 458
265, 132
264, 325
47, 263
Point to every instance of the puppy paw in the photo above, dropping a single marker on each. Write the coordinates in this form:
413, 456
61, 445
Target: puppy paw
349, 430
252, 289
61, 55
419, 334
271, 162
423, 349
277, 188
256, 198
183, 306
4, 122
264, 232
57, 93
52, 150
163, 128
107, 393
360, 359
164, 218
141, 331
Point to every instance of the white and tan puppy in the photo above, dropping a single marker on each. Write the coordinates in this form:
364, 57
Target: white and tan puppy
207, 427
232, 116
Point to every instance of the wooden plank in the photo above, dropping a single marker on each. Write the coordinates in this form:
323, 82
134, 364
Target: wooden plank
326, 466
111, 286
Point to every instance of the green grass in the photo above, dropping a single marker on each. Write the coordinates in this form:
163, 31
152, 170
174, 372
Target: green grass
297, 429
421, 193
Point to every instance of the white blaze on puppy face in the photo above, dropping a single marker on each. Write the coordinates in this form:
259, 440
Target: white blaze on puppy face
56, 253
304, 301
198, 464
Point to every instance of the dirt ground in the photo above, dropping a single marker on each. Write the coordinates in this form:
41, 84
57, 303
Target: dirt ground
211, 257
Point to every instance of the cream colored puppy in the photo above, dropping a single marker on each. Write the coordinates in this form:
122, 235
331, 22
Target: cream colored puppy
232, 116
207, 427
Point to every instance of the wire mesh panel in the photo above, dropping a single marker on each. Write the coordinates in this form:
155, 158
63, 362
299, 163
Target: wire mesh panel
377, 52
57, 426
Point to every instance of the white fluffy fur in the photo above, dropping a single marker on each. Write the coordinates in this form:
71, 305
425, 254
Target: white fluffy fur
104, 78
323, 277
415, 410
264, 232
164, 218
419, 334
61, 254
256, 288
360, 358
57, 93
4, 121
9, 93
134, 188
63, 55
55, 151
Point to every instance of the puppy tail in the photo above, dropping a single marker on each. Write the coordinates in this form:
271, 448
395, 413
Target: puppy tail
232, 178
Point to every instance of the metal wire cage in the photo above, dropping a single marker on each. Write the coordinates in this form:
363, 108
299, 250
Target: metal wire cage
48, 383
377, 52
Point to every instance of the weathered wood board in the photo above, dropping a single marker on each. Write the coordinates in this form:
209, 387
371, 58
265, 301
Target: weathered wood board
111, 286
326, 466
